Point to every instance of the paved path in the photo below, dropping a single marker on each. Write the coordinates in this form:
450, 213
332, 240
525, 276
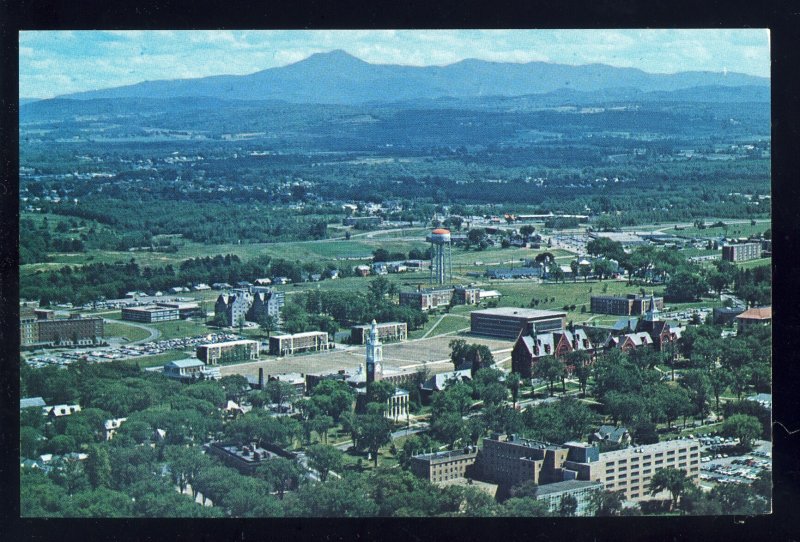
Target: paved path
154, 333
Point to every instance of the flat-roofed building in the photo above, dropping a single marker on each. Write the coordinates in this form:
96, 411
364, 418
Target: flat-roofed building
387, 332
72, 331
628, 305
509, 322
241, 350
512, 460
150, 314
630, 470
185, 309
443, 466
741, 252
426, 300
582, 490
466, 295
245, 458
309, 341
187, 369
28, 328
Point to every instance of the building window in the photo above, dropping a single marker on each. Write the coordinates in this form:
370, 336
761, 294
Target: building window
659, 462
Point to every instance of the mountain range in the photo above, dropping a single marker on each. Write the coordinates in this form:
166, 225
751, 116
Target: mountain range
337, 77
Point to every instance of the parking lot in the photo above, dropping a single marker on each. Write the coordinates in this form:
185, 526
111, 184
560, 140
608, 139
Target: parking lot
719, 466
108, 354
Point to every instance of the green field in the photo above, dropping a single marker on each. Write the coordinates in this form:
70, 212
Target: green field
179, 328
733, 230
450, 323
130, 333
755, 263
157, 359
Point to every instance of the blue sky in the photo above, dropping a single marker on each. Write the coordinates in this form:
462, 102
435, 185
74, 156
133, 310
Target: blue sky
60, 62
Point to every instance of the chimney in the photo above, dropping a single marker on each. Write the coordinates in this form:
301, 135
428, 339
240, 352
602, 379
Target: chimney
261, 378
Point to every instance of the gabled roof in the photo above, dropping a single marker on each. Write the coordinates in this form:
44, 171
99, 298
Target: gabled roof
439, 381
757, 313
627, 322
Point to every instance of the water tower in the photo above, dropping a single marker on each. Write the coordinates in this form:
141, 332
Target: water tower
441, 261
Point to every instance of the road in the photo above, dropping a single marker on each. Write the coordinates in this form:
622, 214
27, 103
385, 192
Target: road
154, 333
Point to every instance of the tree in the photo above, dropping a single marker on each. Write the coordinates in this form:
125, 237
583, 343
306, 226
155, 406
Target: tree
324, 459
524, 507
698, 386
513, 382
549, 368
585, 271
98, 467
281, 474
684, 285
744, 427
568, 506
322, 424
672, 480
555, 272
374, 431
607, 503
448, 428
267, 323
573, 265
603, 268
280, 392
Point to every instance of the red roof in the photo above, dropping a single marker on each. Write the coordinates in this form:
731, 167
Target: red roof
759, 313
441, 231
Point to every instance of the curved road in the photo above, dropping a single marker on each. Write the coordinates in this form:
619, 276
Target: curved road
154, 333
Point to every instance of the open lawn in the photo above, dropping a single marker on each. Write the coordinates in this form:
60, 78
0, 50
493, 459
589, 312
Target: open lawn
180, 328
734, 230
121, 329
754, 263
157, 359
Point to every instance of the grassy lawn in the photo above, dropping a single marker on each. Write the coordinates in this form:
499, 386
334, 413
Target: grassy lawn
449, 324
125, 331
179, 328
519, 294
754, 263
734, 230
157, 359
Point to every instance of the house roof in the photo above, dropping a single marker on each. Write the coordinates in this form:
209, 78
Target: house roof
611, 432
185, 363
29, 402
624, 323
439, 381
757, 313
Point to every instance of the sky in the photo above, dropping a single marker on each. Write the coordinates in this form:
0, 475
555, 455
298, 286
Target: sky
53, 63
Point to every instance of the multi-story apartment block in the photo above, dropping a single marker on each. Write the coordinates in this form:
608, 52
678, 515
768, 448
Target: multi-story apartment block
631, 304
281, 345
443, 466
741, 252
387, 332
242, 350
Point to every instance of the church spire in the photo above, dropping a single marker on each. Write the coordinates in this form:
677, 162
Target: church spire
374, 354
652, 311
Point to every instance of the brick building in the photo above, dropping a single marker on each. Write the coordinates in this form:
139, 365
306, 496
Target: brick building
281, 345
628, 305
529, 348
72, 331
443, 466
741, 252
242, 350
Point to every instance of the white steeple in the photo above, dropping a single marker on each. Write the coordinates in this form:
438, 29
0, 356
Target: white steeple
374, 354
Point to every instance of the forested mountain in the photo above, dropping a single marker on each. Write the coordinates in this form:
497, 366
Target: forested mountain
339, 78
